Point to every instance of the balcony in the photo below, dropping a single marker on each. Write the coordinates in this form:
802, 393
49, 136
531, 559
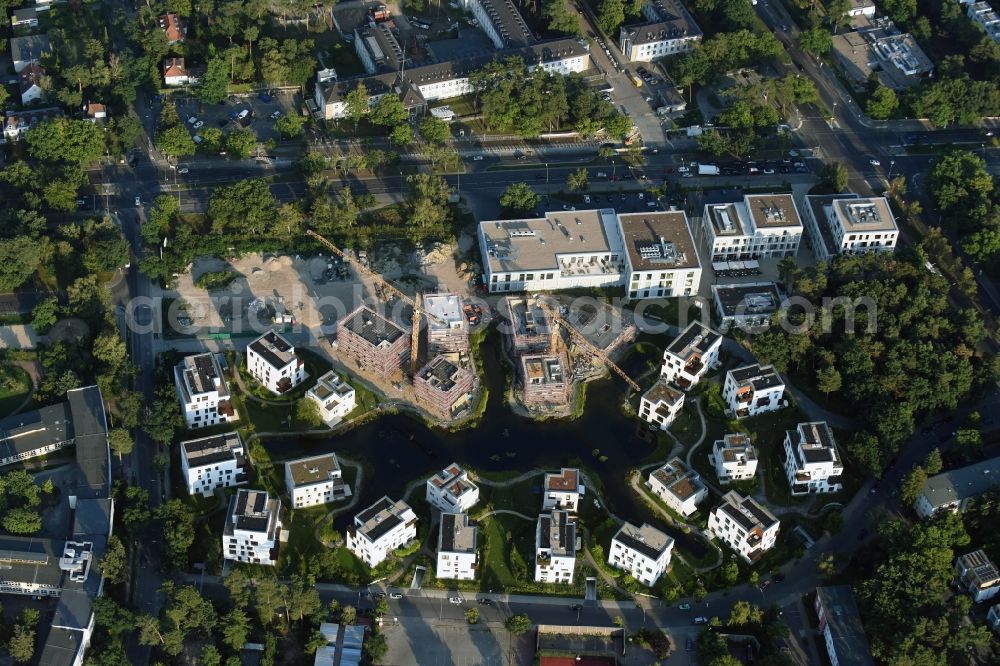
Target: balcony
284, 385
694, 366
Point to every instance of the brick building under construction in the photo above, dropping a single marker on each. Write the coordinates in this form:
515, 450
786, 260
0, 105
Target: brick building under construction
373, 342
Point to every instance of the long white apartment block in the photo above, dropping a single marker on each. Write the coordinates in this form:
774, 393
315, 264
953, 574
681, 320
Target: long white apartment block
272, 361
315, 480
562, 490
690, 355
253, 528
380, 529
848, 224
743, 525
456, 551
334, 397
661, 260
734, 458
651, 255
203, 392
983, 15
762, 225
954, 489
660, 405
555, 547
451, 491
217, 461
753, 390
812, 461
679, 486
643, 551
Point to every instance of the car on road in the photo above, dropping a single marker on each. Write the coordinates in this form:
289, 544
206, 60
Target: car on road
641, 196
138, 201
769, 171
182, 169
682, 169
486, 602
455, 600
701, 620
586, 198
380, 595
477, 158
684, 606
275, 115
395, 595
81, 203
688, 175
601, 174
874, 162
192, 120
764, 584
197, 138
623, 196
199, 124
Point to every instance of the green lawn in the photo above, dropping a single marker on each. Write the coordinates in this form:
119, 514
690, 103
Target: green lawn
521, 497
767, 432
15, 384
506, 560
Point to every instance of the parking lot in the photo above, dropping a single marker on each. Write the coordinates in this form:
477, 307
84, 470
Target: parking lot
260, 113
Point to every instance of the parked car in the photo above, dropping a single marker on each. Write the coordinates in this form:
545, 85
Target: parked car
138, 201
182, 169
586, 198
701, 620
243, 114
486, 602
874, 162
275, 115
199, 124
682, 169
477, 158
395, 595
684, 606
455, 600
192, 120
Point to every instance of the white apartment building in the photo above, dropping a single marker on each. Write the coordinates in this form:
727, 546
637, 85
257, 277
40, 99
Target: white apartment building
202, 391
670, 30
753, 390
983, 15
743, 525
315, 480
380, 529
812, 462
456, 552
562, 490
660, 405
218, 461
690, 355
977, 576
952, 490
272, 361
847, 224
679, 486
762, 225
501, 21
734, 458
443, 80
660, 256
555, 548
253, 528
451, 491
334, 397
643, 552
563, 250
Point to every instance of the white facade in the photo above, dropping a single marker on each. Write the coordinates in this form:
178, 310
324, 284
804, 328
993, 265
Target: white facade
679, 486
687, 359
555, 548
734, 458
812, 461
643, 552
743, 525
451, 491
252, 529
983, 15
661, 260
952, 490
762, 225
334, 397
456, 556
380, 529
562, 490
218, 461
753, 390
660, 405
272, 361
315, 480
669, 30
847, 224
202, 391
977, 576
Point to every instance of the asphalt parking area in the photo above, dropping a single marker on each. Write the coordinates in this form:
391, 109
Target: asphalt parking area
225, 116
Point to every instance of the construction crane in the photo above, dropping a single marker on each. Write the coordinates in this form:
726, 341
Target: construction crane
385, 286
585, 343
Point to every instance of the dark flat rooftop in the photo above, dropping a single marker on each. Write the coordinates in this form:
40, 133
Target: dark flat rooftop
693, 338
373, 327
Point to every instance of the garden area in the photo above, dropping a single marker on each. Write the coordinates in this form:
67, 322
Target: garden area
15, 385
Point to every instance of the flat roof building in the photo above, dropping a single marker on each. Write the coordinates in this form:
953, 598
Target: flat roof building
529, 325
451, 490
315, 480
734, 458
977, 575
545, 380
252, 528
443, 388
983, 14
743, 525
447, 330
848, 224
334, 397
380, 529
811, 459
759, 226
679, 486
456, 551
753, 390
563, 490
660, 405
746, 306
643, 551
690, 355
660, 256
216, 461
272, 361
203, 392
555, 548
374, 343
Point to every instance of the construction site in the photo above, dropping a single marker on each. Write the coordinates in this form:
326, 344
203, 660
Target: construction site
555, 346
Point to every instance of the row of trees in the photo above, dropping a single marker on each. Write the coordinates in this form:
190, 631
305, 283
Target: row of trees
722, 53
919, 356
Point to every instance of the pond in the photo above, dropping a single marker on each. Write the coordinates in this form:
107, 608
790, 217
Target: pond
396, 449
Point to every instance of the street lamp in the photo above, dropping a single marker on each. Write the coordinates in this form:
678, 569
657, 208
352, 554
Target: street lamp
834, 115
891, 164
